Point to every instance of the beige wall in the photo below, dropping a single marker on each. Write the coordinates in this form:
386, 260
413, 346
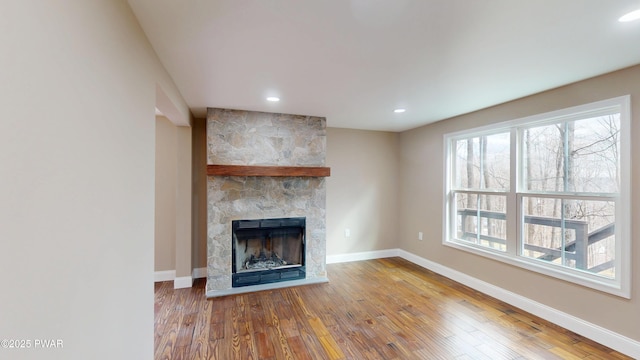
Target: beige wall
165, 195
421, 187
183, 195
199, 202
362, 190
77, 142
173, 198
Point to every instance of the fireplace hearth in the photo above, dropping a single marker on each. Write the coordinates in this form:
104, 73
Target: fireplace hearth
268, 250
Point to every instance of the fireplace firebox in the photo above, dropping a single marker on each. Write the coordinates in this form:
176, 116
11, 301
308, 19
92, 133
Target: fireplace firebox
267, 251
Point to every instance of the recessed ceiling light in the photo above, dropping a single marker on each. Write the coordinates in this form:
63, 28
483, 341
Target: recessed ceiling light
399, 111
273, 99
634, 15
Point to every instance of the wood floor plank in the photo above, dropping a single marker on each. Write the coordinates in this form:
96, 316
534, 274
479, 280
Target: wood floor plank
298, 348
375, 309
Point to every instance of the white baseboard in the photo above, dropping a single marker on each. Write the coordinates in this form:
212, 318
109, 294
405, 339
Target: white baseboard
366, 255
183, 282
180, 282
166, 275
199, 273
594, 332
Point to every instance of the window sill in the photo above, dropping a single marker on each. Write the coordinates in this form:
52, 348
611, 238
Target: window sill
578, 277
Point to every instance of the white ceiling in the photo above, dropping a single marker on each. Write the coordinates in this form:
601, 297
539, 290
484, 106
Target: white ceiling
355, 61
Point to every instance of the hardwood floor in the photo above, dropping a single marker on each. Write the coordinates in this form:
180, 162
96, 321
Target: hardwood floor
375, 309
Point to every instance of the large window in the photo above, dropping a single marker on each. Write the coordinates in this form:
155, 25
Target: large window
549, 193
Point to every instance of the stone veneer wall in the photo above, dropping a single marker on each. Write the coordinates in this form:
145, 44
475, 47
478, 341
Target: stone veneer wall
236, 137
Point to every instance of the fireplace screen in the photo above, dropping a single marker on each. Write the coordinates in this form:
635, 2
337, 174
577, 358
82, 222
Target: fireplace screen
267, 251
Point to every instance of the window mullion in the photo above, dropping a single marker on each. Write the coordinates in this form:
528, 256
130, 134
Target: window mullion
563, 231
512, 201
478, 220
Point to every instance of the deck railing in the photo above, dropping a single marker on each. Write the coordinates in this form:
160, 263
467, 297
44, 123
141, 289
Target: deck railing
577, 250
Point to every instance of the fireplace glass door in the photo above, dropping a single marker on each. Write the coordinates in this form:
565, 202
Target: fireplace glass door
268, 250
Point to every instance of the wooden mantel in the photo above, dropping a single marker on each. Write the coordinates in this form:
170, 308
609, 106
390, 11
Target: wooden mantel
242, 170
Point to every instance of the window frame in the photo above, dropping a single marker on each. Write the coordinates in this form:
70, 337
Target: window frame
620, 285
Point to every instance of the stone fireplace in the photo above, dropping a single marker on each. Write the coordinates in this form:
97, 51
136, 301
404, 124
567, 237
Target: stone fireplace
265, 171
